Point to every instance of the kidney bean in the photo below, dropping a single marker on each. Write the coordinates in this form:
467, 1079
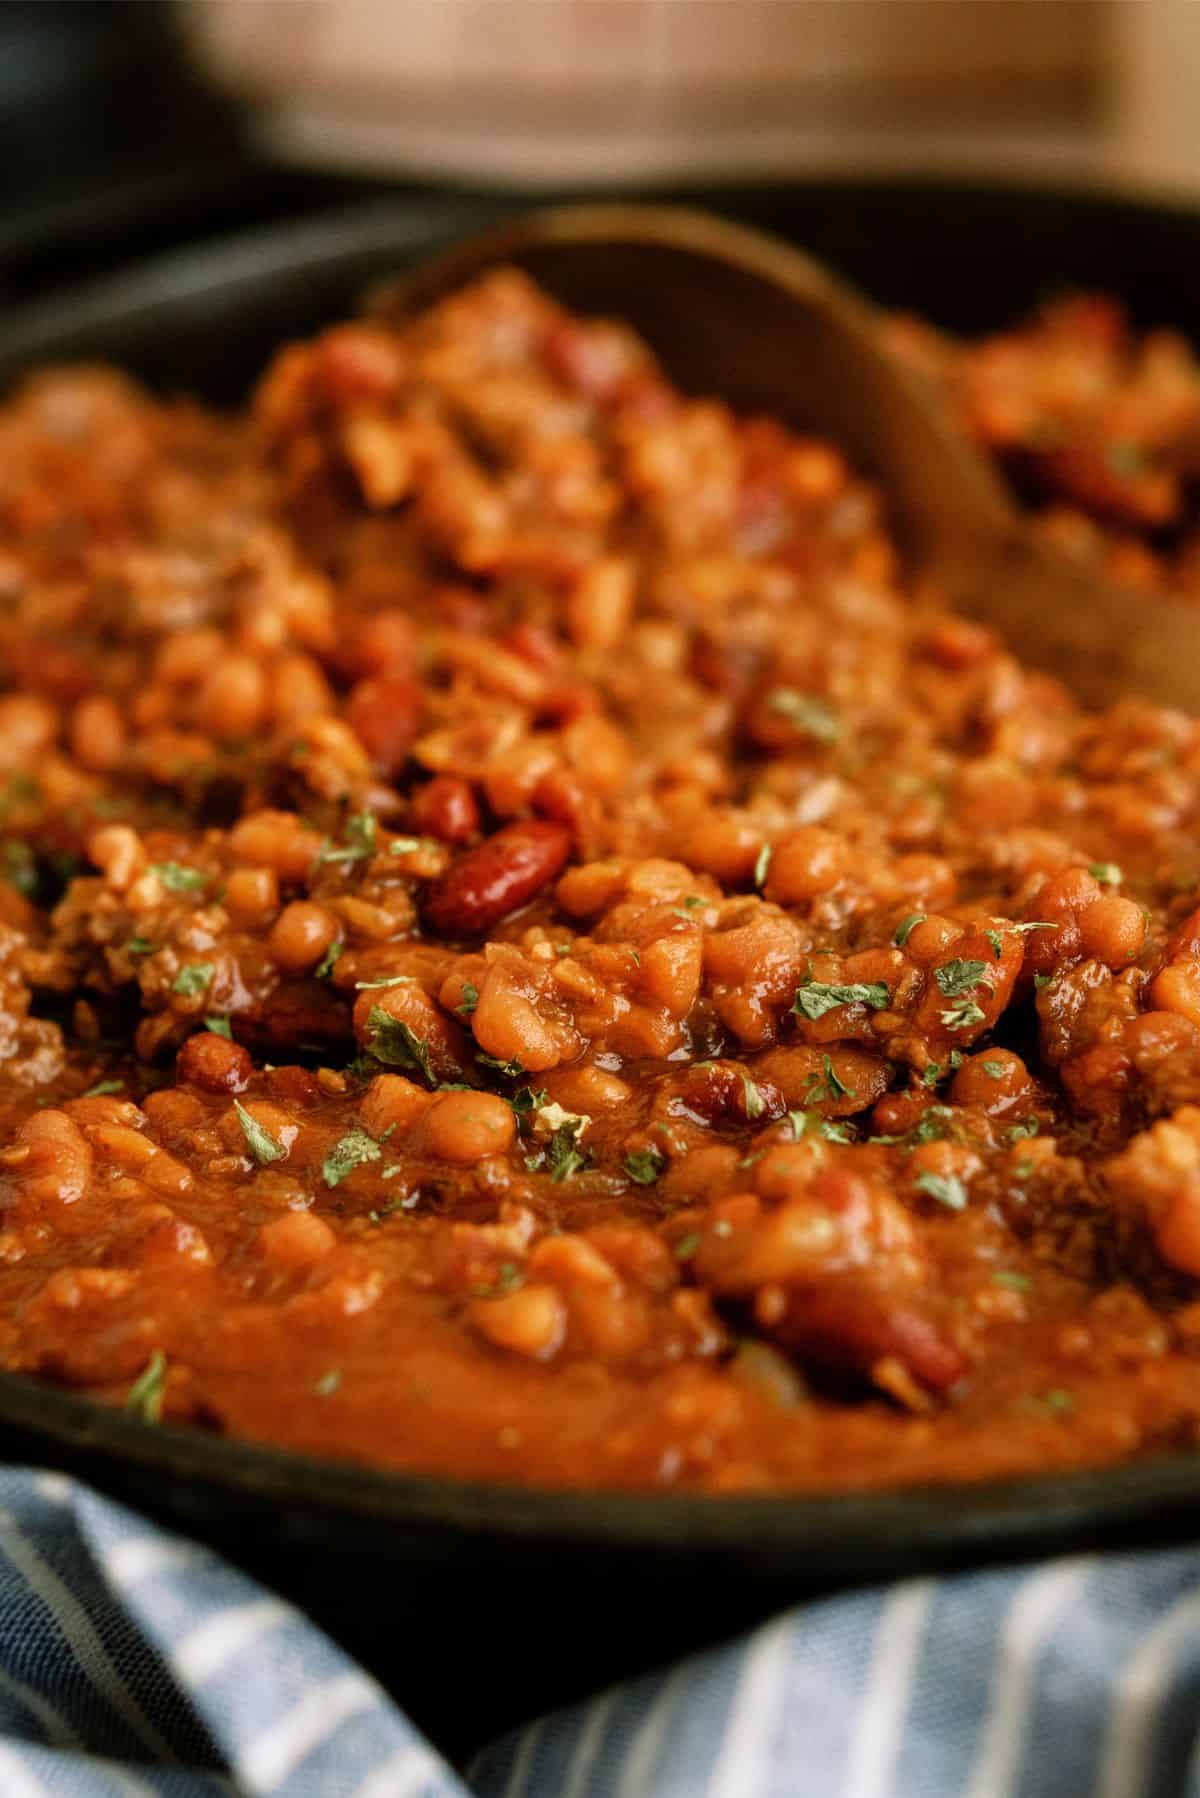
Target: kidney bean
385, 715
497, 877
445, 808
850, 1325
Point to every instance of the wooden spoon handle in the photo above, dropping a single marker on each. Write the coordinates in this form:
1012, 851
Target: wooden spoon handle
1105, 641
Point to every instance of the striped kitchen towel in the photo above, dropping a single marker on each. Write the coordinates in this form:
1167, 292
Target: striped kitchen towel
135, 1663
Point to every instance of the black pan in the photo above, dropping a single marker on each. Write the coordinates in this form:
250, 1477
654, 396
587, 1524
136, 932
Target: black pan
423, 1577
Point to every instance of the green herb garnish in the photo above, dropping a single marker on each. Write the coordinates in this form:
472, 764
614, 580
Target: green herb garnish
1107, 873
812, 1123
219, 1027
362, 829
807, 713
328, 961
815, 997
947, 1189
145, 1396
178, 879
906, 927
397, 1043
469, 1000
507, 1280
350, 1151
19, 867
831, 1087
193, 980
260, 1142
754, 1102
958, 976
962, 1015
526, 1099
644, 1166
762, 864
1012, 1282
103, 1087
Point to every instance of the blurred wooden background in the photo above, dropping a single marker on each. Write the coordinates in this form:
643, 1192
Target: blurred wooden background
603, 90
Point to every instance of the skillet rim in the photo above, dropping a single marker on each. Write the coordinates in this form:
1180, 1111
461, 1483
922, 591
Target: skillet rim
921, 1522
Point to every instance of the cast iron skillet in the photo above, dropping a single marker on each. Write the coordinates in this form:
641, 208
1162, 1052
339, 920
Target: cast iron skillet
346, 1540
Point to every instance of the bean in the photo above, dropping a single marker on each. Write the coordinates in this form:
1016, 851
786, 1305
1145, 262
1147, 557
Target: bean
385, 714
296, 1241
464, 1127
497, 877
531, 1321
301, 935
214, 1064
444, 808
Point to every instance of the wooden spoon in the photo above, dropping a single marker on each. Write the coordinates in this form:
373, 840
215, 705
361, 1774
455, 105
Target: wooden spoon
738, 314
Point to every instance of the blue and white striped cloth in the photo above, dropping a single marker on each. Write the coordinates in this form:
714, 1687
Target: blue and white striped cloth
134, 1663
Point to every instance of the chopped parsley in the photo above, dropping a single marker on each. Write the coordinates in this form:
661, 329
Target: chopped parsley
933, 1073
906, 927
762, 864
145, 1396
362, 829
947, 1189
370, 986
507, 1280
807, 713
260, 1142
754, 1102
831, 1087
178, 879
507, 1070
103, 1087
1021, 1132
219, 1027
1041, 980
469, 1000
403, 845
644, 1166
328, 961
962, 1015
814, 997
397, 1043
328, 1383
19, 867
350, 1151
811, 1123
193, 980
997, 942
527, 1098
1012, 1282
994, 1070
563, 1155
1107, 873
140, 945
687, 1245
956, 979
958, 976
935, 1124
